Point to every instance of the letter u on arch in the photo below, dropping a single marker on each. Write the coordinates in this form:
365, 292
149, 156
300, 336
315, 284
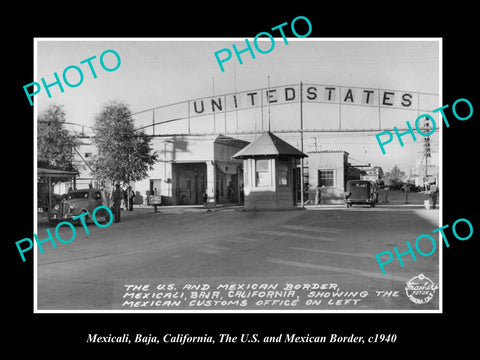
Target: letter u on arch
195, 107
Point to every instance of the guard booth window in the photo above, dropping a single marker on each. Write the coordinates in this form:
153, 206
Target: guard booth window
283, 172
325, 177
262, 172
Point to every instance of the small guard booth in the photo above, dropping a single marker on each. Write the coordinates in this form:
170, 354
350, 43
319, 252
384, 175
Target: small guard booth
269, 169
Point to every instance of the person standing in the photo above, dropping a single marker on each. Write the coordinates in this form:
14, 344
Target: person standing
124, 189
105, 200
117, 197
433, 194
131, 196
242, 194
318, 194
229, 192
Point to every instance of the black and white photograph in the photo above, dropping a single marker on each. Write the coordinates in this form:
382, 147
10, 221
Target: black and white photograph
250, 189
269, 183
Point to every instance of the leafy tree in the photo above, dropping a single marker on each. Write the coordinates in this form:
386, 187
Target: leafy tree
396, 172
394, 177
123, 154
55, 145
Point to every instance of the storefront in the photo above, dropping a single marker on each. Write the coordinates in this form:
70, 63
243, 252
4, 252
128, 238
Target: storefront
196, 171
46, 178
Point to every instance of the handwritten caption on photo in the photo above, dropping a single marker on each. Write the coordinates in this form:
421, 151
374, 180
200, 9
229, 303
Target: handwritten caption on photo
217, 295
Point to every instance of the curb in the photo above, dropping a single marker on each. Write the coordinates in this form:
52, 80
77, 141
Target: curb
138, 211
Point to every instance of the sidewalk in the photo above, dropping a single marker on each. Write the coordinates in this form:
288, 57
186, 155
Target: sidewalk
377, 205
186, 208
139, 210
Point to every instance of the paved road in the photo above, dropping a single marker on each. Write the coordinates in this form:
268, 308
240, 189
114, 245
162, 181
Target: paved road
324, 245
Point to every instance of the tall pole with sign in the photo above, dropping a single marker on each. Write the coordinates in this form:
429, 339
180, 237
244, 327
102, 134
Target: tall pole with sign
426, 150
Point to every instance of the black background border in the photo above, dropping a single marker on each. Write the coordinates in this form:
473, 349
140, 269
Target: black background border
427, 333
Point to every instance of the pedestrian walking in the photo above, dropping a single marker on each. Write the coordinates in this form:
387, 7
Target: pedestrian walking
117, 197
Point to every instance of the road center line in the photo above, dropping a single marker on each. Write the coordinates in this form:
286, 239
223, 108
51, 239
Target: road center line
342, 270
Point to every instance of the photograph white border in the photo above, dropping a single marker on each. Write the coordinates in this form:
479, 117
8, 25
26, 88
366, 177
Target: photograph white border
176, 39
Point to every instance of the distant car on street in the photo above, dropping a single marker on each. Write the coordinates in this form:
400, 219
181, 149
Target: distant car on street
77, 202
360, 192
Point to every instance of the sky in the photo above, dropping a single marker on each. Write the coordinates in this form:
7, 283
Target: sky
166, 71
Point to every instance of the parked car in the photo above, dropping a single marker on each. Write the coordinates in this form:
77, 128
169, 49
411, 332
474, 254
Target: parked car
360, 192
42, 202
77, 202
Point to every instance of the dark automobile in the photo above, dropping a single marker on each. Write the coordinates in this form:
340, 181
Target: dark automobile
43, 201
360, 192
77, 202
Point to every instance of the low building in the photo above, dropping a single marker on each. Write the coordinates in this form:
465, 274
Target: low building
328, 170
269, 173
188, 170
372, 175
194, 170
191, 169
48, 195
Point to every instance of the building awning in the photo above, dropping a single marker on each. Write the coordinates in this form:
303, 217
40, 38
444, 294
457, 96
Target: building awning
268, 144
229, 141
42, 172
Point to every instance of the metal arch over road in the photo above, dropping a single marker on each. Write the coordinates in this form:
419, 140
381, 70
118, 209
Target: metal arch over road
324, 108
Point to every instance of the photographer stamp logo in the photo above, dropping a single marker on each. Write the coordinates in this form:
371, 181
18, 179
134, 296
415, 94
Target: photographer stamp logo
420, 289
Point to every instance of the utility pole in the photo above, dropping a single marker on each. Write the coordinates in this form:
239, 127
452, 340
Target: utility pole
213, 94
301, 147
315, 140
268, 101
426, 152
